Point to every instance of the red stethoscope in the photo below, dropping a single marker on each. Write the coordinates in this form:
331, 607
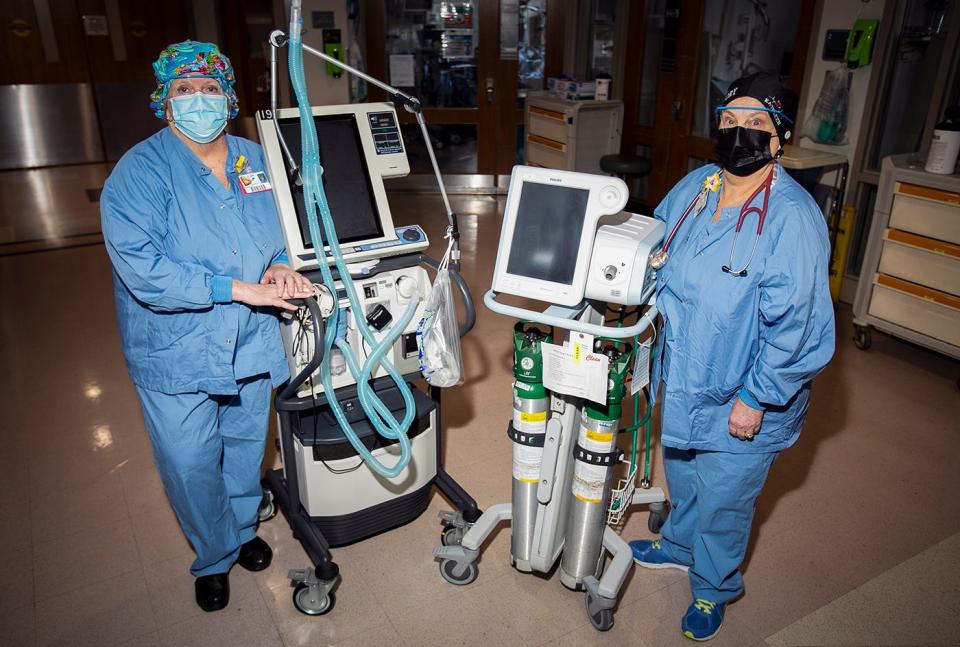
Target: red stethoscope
699, 203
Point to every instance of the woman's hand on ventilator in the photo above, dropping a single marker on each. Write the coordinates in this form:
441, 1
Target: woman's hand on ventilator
744, 422
265, 295
289, 284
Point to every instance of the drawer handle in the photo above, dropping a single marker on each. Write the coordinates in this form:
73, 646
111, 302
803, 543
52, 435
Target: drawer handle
549, 114
928, 193
543, 141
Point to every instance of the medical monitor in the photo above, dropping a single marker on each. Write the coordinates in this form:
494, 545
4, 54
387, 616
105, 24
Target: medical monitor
359, 146
549, 224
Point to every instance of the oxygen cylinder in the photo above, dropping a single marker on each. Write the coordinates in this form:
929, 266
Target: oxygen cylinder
595, 456
531, 404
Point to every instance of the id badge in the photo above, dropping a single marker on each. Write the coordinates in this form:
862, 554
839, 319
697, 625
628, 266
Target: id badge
254, 182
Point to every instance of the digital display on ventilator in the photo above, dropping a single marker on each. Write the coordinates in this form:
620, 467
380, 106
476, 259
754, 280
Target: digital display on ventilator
346, 181
546, 236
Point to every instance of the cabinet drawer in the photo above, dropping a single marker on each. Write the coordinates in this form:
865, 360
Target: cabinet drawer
925, 311
547, 123
928, 212
929, 262
547, 153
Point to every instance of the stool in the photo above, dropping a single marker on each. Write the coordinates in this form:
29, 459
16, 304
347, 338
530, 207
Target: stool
628, 167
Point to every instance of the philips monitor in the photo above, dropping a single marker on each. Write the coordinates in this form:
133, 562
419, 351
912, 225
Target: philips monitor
360, 145
549, 224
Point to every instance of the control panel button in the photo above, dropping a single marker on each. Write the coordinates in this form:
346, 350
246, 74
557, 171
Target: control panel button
406, 286
411, 235
609, 196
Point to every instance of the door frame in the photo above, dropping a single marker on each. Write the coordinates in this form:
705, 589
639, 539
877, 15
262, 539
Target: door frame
497, 120
670, 137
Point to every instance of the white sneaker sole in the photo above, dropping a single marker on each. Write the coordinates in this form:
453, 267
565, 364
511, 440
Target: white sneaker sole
660, 567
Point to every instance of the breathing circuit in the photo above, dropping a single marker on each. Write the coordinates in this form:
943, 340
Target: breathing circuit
315, 200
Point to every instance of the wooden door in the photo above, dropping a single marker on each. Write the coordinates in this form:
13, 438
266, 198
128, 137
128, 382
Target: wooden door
679, 61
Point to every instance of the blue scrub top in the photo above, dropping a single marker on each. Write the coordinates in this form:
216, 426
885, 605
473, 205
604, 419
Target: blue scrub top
177, 239
761, 337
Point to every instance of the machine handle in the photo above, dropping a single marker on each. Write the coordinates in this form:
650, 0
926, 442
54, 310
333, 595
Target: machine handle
548, 464
290, 390
568, 319
469, 309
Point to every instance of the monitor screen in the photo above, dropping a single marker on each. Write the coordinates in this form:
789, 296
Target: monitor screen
546, 236
346, 180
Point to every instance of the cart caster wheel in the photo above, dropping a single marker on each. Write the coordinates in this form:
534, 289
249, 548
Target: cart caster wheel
449, 570
268, 507
601, 619
306, 604
862, 337
451, 536
657, 518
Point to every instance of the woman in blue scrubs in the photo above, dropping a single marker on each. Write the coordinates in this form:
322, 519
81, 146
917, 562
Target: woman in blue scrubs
200, 272
748, 323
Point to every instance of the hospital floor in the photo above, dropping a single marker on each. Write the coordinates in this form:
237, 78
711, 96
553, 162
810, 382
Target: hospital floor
856, 541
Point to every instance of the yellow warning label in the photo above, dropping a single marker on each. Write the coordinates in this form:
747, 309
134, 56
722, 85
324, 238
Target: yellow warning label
583, 498
599, 436
577, 353
529, 480
533, 416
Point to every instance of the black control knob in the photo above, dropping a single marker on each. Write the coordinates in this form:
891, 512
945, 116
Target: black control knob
411, 235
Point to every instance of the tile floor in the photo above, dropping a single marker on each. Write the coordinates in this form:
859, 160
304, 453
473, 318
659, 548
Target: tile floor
857, 540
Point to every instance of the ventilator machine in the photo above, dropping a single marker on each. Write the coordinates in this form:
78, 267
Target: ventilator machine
565, 241
360, 440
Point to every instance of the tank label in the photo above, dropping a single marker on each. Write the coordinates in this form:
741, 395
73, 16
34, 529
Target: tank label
526, 463
590, 481
526, 460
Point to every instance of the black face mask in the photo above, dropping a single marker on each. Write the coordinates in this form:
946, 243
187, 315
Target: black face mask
743, 151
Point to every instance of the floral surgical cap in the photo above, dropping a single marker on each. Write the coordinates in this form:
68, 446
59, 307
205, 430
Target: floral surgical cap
192, 58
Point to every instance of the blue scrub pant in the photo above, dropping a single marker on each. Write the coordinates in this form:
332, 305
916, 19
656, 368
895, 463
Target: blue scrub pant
208, 450
713, 496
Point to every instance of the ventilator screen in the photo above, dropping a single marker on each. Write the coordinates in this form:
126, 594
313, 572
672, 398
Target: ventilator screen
346, 180
546, 236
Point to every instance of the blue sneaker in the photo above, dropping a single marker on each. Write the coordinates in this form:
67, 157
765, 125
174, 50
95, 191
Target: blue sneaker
702, 620
647, 553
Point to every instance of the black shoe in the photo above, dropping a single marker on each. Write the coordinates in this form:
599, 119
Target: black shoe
255, 555
213, 591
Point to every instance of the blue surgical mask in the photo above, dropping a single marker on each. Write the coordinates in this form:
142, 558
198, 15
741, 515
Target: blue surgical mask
199, 116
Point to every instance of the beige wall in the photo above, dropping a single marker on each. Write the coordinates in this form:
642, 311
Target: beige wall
323, 88
838, 14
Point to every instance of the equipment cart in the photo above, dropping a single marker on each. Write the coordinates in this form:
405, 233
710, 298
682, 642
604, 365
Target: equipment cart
311, 444
562, 500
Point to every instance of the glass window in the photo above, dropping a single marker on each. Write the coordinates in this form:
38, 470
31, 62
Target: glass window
532, 46
432, 45
911, 81
603, 14
652, 48
455, 146
740, 37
